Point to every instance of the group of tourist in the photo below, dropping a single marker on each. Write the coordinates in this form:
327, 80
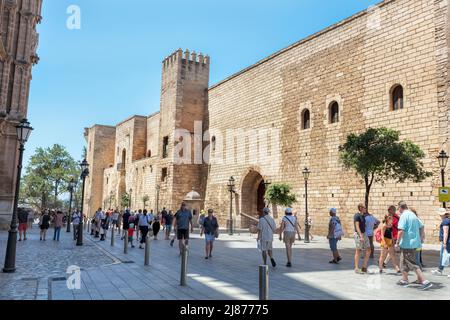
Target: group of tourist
400, 230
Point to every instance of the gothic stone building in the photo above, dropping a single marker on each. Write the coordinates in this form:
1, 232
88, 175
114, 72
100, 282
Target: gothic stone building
386, 66
18, 43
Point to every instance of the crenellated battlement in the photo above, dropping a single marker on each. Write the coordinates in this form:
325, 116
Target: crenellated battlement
186, 56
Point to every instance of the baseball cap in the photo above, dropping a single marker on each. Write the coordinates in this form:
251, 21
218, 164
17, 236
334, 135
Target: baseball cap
333, 210
266, 210
288, 210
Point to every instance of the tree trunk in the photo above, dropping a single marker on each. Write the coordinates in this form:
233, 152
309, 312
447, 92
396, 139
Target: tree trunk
56, 194
368, 184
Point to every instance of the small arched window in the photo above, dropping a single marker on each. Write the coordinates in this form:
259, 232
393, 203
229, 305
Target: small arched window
149, 153
397, 97
213, 143
334, 112
306, 119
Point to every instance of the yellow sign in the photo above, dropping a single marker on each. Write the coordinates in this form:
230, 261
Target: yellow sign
444, 194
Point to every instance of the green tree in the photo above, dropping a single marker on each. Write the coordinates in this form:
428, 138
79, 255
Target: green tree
145, 199
280, 194
49, 169
378, 155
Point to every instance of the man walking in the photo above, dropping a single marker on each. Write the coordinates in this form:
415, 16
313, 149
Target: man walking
361, 239
183, 218
22, 216
266, 228
444, 239
410, 237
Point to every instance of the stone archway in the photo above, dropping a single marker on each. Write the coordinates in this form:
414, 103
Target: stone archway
252, 196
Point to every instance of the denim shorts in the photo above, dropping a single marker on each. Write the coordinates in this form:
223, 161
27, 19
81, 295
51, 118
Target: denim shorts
210, 237
333, 244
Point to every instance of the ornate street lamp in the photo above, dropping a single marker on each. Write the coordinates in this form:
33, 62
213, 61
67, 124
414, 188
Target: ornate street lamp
157, 197
306, 174
23, 133
443, 160
71, 188
267, 183
231, 185
84, 173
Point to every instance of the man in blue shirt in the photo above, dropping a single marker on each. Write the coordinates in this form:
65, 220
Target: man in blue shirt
410, 236
183, 219
444, 238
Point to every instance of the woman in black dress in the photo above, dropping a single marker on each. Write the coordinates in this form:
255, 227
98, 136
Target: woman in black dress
156, 226
45, 224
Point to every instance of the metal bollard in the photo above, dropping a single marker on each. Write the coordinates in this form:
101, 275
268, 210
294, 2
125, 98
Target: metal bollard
112, 237
263, 282
147, 251
125, 243
184, 255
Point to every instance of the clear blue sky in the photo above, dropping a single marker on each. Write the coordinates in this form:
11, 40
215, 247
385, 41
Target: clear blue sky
111, 67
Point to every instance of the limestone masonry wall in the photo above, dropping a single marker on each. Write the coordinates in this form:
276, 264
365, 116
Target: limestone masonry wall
355, 63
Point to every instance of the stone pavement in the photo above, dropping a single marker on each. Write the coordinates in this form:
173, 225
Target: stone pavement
107, 273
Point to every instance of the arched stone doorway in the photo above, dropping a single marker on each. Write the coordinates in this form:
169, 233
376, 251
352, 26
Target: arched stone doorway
252, 196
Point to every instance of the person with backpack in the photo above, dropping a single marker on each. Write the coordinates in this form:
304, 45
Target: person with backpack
145, 221
288, 229
385, 237
335, 233
266, 228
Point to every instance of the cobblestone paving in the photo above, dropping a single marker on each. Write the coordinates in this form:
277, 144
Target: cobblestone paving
38, 263
109, 274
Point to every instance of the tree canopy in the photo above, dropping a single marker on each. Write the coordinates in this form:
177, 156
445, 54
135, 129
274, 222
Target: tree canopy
378, 155
280, 194
47, 176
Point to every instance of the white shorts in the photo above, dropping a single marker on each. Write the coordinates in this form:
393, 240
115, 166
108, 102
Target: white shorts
266, 245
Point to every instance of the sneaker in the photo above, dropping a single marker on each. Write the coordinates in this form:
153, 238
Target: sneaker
288, 265
426, 285
358, 271
273, 262
403, 283
364, 270
437, 272
333, 261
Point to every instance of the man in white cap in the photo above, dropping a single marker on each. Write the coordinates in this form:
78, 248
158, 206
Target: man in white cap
444, 239
288, 228
266, 229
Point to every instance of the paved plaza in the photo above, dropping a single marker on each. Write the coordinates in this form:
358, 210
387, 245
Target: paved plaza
109, 274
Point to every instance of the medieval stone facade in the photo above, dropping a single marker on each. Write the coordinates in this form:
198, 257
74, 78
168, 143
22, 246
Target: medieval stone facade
386, 66
18, 44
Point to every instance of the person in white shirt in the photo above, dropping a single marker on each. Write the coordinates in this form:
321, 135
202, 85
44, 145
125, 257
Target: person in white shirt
115, 219
288, 228
145, 221
76, 222
371, 224
266, 229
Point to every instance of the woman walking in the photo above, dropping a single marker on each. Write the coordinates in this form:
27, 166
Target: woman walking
335, 234
289, 229
44, 224
210, 227
387, 243
156, 226
58, 223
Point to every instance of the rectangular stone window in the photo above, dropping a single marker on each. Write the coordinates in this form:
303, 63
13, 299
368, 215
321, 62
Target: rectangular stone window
165, 146
163, 174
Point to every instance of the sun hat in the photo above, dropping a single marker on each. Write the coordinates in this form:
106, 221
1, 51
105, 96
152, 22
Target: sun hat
442, 211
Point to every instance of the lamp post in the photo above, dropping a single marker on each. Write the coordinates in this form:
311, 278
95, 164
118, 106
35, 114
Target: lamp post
84, 173
130, 192
72, 185
157, 197
23, 133
231, 185
443, 160
267, 183
306, 173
